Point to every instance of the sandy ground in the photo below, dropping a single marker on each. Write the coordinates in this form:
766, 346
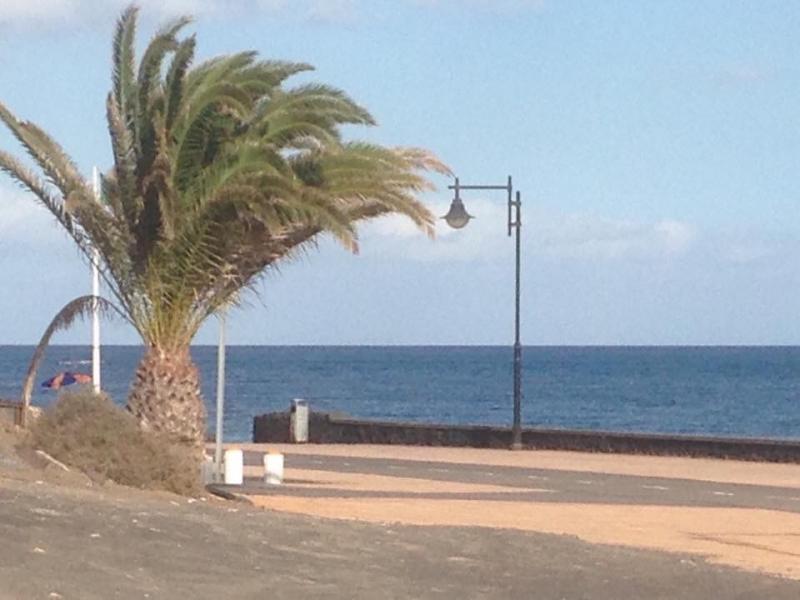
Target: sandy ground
748, 538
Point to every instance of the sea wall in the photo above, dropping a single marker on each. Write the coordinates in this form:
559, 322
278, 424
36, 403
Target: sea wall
327, 428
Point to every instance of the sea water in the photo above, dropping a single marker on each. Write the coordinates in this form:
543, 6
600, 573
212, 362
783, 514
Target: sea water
729, 391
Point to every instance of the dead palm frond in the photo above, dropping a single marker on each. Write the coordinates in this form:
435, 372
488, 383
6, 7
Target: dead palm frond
79, 308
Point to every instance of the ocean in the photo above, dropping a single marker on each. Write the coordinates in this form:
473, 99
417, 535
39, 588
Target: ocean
727, 391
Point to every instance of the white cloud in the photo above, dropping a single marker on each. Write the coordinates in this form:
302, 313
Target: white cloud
575, 236
745, 252
742, 75
17, 212
493, 5
592, 237
272, 5
33, 12
45, 12
393, 226
24, 222
398, 236
333, 11
755, 248
71, 12
578, 238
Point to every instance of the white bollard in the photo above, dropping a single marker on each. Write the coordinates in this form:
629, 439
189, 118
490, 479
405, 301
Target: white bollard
273, 468
234, 467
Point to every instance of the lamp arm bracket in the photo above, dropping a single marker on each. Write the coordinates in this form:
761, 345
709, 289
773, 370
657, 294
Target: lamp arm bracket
478, 187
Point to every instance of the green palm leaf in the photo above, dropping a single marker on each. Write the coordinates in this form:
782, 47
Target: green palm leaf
220, 172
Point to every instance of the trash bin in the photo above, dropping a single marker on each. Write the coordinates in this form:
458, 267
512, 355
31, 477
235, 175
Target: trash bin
298, 421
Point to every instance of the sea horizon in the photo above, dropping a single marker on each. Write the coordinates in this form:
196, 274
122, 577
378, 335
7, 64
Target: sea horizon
390, 345
728, 391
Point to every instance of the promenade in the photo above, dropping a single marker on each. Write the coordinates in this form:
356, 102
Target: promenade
739, 514
460, 525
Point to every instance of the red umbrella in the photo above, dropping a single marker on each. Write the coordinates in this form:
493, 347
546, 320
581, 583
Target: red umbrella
66, 378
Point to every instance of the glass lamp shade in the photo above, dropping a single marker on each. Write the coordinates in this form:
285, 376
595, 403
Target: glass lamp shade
457, 217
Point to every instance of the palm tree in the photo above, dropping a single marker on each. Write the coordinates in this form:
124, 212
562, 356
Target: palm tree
219, 172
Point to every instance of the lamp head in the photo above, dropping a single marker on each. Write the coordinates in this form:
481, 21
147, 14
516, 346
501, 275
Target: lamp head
457, 217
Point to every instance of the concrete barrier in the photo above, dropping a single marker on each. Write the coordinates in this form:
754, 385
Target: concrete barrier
10, 412
324, 428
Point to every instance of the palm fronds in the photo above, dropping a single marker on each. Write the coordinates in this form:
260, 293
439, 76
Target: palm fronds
219, 172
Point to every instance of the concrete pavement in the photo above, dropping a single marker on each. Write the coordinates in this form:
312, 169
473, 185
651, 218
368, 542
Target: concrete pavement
749, 517
531, 484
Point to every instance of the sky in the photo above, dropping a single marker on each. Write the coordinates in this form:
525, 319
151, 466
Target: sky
656, 146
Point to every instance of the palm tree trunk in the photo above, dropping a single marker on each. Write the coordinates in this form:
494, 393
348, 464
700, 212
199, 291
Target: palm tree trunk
165, 395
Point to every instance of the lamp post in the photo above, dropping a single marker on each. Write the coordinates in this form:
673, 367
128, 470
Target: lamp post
457, 218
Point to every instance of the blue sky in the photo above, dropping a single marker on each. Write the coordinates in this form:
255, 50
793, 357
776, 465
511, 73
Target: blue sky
656, 146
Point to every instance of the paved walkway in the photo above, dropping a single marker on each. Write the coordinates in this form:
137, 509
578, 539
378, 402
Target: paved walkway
98, 544
745, 515
64, 539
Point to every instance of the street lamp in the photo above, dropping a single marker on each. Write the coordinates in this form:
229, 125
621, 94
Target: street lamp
458, 217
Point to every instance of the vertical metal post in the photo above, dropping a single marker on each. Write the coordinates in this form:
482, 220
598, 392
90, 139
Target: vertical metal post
510, 204
516, 223
220, 396
516, 429
96, 293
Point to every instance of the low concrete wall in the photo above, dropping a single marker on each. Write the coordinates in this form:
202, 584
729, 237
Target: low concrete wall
10, 412
333, 429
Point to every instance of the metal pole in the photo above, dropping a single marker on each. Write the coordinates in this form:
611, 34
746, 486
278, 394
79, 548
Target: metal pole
220, 396
96, 293
516, 430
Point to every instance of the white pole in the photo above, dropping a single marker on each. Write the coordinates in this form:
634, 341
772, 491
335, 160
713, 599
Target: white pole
220, 394
96, 293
